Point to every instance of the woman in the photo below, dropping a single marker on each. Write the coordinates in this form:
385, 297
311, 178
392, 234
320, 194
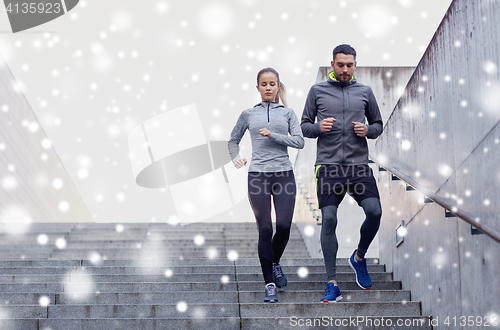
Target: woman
270, 172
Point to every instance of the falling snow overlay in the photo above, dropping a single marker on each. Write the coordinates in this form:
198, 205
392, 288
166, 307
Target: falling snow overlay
104, 69
92, 98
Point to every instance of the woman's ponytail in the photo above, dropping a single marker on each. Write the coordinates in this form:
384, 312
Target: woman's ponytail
281, 94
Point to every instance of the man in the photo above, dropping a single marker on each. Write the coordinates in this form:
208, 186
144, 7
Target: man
340, 105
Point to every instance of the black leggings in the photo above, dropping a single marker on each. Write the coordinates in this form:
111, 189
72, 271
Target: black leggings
281, 185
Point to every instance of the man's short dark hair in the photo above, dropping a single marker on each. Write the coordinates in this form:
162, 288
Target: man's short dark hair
344, 49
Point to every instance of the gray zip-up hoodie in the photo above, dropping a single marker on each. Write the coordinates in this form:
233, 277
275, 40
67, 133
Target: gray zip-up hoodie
268, 155
346, 102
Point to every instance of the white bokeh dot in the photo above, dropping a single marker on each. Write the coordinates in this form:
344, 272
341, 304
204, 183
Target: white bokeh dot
216, 21
490, 67
402, 231
199, 240
161, 7
83, 173
232, 255
44, 301
33, 127
95, 258
181, 306
42, 239
120, 197
309, 230
61, 243
212, 253
302, 272
63, 206
406, 145
57, 183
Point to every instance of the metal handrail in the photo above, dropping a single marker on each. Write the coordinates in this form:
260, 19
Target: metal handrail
308, 203
491, 232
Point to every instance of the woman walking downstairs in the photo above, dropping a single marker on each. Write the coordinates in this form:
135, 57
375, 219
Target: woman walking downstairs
273, 128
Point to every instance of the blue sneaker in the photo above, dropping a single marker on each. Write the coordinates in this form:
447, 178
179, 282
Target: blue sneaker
363, 279
271, 296
278, 277
332, 293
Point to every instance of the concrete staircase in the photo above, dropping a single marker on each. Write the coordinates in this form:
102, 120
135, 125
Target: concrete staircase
158, 276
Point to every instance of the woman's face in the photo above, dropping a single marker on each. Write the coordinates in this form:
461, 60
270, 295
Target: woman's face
268, 86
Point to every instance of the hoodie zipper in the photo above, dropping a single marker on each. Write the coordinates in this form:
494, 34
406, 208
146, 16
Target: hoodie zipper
343, 124
268, 112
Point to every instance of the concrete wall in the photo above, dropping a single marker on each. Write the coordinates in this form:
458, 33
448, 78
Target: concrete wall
444, 133
387, 84
34, 186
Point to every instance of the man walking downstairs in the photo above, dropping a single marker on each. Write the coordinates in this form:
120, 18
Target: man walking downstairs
340, 105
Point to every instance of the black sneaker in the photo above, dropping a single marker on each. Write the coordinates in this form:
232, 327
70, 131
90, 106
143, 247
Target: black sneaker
278, 277
271, 294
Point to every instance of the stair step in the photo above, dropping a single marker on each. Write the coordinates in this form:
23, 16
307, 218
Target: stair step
320, 286
319, 309
333, 322
142, 311
194, 323
131, 270
215, 297
146, 270
151, 286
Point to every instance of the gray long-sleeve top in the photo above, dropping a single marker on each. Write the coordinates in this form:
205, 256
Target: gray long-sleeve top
346, 102
268, 154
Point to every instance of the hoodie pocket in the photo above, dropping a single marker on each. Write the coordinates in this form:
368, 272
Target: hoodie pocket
356, 115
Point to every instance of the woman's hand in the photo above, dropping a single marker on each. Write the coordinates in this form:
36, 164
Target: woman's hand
265, 132
240, 163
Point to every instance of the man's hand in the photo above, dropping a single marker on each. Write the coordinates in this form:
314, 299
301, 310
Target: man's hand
326, 124
360, 129
240, 163
265, 132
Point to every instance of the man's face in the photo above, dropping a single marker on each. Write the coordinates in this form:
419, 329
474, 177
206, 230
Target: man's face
343, 67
